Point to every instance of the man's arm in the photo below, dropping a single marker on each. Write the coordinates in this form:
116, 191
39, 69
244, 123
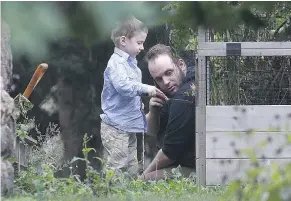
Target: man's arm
154, 115
180, 135
153, 120
159, 162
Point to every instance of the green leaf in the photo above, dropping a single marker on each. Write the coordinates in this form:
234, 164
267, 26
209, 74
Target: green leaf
274, 195
232, 188
12, 159
253, 173
288, 138
250, 153
76, 159
87, 150
100, 159
263, 144
109, 174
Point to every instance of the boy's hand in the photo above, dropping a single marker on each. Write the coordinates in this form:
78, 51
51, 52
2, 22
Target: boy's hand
160, 94
155, 92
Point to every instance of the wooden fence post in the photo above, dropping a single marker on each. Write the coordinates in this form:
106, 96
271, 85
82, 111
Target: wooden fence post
201, 113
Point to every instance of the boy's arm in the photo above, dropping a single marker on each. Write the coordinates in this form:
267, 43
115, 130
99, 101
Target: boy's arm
125, 85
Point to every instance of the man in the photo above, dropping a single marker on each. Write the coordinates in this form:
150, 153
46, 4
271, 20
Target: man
173, 121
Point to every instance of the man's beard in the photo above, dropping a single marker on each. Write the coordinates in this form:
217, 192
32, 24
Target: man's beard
181, 77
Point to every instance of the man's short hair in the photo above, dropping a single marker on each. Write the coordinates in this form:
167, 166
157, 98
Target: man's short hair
161, 49
127, 27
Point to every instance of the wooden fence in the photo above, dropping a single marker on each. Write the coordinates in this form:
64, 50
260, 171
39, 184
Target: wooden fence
223, 131
232, 129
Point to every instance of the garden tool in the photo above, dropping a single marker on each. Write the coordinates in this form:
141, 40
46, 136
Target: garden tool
22, 104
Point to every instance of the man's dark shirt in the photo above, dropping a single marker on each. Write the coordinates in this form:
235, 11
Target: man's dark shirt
176, 136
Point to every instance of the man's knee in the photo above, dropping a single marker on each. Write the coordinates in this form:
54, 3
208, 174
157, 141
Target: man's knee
170, 172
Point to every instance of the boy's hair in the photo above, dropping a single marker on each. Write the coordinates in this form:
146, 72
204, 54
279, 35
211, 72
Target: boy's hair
127, 28
161, 49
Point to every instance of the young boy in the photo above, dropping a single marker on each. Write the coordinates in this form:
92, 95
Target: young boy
121, 103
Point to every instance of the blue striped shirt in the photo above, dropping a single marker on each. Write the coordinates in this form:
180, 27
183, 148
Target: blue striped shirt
120, 99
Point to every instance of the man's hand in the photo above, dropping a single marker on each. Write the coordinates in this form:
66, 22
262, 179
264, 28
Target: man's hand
153, 117
155, 104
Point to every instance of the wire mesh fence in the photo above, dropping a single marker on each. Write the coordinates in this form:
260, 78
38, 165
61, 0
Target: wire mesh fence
259, 80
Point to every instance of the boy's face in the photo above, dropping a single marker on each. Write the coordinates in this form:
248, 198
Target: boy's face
133, 46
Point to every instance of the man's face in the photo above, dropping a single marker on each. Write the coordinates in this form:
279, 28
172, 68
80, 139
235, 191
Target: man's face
133, 46
166, 74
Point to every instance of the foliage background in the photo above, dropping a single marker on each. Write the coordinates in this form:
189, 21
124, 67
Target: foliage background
72, 37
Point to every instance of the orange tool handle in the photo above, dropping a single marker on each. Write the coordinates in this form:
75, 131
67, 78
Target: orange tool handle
38, 73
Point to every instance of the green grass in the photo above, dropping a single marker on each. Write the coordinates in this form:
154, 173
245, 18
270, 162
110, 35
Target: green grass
31, 186
203, 196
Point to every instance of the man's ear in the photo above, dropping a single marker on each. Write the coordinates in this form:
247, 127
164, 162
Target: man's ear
182, 65
122, 40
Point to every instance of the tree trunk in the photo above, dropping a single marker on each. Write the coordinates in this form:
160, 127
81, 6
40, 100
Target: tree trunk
79, 115
7, 107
